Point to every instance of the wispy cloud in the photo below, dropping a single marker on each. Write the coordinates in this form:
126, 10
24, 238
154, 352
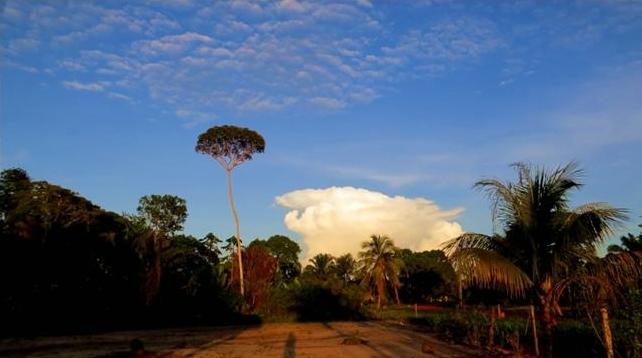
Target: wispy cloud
194, 118
242, 55
79, 86
278, 57
391, 179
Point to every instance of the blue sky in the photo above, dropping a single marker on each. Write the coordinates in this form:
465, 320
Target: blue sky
416, 100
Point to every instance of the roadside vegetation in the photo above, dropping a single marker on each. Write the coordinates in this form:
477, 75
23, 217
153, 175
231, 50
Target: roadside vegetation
535, 285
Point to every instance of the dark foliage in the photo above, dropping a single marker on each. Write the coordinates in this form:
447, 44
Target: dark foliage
426, 276
315, 301
66, 264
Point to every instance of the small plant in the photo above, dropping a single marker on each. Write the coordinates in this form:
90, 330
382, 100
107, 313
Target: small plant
508, 333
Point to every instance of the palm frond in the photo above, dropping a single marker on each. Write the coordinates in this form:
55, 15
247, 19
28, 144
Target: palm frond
608, 277
590, 224
471, 240
489, 269
502, 198
621, 269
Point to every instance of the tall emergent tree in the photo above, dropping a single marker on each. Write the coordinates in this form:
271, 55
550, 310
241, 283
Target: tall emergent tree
381, 265
165, 215
541, 242
231, 146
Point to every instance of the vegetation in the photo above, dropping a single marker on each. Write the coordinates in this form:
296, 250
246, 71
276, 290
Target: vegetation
545, 245
381, 265
67, 264
164, 215
231, 146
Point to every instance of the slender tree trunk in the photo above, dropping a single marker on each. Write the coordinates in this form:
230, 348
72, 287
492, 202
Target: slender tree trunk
397, 295
548, 325
491, 328
235, 216
534, 327
460, 293
152, 281
606, 328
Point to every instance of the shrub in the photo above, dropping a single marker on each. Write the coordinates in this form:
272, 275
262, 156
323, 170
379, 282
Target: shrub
576, 339
429, 322
477, 329
278, 306
509, 333
453, 329
627, 329
318, 302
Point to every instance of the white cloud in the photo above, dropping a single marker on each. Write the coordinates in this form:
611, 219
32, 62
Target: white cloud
451, 40
120, 96
172, 43
291, 5
241, 55
337, 220
292, 53
79, 86
392, 180
23, 44
193, 118
327, 102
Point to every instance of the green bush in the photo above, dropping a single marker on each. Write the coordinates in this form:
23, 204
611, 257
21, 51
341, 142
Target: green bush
576, 339
429, 322
572, 338
452, 329
627, 328
318, 302
472, 328
279, 303
477, 329
509, 333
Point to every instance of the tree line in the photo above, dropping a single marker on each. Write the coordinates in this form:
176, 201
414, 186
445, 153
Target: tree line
66, 263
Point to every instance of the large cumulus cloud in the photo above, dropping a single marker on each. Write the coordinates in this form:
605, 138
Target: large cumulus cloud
336, 220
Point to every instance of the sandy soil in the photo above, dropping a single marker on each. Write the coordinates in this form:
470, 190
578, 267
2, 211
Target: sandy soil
327, 340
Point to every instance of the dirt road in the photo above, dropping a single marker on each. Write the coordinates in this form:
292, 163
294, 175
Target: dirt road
326, 340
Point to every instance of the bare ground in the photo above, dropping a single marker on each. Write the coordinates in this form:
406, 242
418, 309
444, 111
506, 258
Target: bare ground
327, 340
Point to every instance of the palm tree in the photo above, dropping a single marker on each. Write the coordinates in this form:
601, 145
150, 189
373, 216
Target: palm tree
601, 280
542, 238
321, 266
345, 267
381, 265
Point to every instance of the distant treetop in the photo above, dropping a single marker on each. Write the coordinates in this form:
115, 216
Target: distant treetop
230, 145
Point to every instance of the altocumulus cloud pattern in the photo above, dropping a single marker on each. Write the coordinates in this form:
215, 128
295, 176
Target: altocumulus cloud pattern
336, 220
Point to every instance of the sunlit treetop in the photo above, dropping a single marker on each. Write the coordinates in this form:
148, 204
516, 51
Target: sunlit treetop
230, 145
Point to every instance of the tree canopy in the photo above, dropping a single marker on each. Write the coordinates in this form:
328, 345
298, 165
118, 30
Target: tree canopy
381, 265
165, 214
230, 145
286, 252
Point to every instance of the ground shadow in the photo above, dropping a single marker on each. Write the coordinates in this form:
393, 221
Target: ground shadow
289, 351
117, 344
